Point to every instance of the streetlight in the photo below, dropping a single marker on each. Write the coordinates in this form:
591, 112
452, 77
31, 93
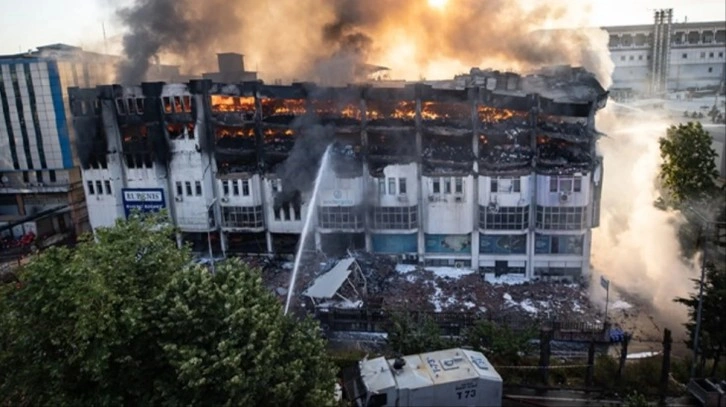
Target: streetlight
209, 233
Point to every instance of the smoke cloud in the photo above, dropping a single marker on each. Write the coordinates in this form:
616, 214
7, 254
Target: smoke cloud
636, 245
333, 41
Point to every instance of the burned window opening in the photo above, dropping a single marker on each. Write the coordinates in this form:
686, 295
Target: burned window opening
178, 107
557, 152
346, 158
282, 111
447, 148
187, 101
179, 131
446, 113
166, 104
235, 138
561, 127
337, 112
121, 107
496, 118
137, 146
392, 144
505, 151
140, 102
391, 113
278, 141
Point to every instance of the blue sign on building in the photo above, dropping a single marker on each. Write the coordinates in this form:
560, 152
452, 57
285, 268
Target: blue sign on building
144, 200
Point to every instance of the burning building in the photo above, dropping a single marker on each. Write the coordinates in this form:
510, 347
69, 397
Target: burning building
501, 176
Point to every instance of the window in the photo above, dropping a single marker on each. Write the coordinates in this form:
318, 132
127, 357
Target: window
561, 218
235, 188
565, 184
198, 188
340, 217
553, 184
107, 184
296, 211
382, 186
640, 57
225, 188
392, 186
703, 55
578, 184
178, 105
179, 190
90, 188
516, 185
52, 175
436, 186
286, 213
277, 214
395, 217
684, 56
720, 54
504, 217
121, 106
631, 58
188, 186
245, 188
447, 185
559, 244
402, 186
494, 185
622, 58
187, 103
710, 54
458, 185
167, 104
710, 69
242, 216
275, 185
99, 188
140, 105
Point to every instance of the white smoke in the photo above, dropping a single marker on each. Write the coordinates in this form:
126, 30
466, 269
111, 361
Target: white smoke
636, 245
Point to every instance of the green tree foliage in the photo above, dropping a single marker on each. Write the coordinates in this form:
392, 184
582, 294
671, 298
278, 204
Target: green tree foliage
636, 399
712, 342
128, 320
409, 334
499, 343
688, 170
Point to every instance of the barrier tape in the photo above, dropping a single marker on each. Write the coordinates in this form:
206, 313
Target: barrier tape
540, 367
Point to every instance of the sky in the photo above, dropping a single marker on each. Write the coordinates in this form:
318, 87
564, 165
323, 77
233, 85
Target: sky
26, 24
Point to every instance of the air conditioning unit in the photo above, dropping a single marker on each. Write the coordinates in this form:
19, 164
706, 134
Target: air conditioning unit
225, 199
564, 197
458, 198
493, 207
179, 198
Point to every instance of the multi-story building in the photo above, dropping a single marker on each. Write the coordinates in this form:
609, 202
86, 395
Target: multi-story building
667, 56
502, 176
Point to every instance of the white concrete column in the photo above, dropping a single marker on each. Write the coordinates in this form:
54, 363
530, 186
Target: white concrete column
268, 239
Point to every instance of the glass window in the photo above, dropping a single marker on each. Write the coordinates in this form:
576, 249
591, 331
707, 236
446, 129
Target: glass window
235, 188
107, 184
245, 188
140, 105
402, 186
504, 217
90, 188
494, 185
447, 185
566, 185
99, 188
553, 184
392, 186
188, 186
121, 106
578, 184
225, 188
436, 186
198, 188
517, 185
381, 186
243, 216
458, 185
179, 190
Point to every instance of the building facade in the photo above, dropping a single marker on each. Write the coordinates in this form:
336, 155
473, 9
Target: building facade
501, 177
667, 56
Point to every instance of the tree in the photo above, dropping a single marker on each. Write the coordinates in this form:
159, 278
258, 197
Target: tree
409, 335
497, 342
712, 341
129, 320
688, 170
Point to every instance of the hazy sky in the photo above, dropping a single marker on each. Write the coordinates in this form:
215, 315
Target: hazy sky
25, 24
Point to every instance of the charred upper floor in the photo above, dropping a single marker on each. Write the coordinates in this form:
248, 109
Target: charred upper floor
505, 123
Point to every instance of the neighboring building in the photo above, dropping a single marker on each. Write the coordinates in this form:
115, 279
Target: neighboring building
666, 56
231, 70
40, 180
503, 177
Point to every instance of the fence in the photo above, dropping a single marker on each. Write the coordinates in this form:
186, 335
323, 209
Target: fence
454, 323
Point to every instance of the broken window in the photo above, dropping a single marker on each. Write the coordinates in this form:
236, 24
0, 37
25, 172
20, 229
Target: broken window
179, 190
561, 218
178, 108
187, 101
503, 217
391, 186
140, 105
436, 186
188, 186
242, 216
235, 188
458, 185
167, 104
198, 188
121, 106
131, 105
90, 188
225, 188
107, 184
245, 188
402, 186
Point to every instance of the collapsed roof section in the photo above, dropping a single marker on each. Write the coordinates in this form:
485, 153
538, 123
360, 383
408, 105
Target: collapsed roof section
503, 122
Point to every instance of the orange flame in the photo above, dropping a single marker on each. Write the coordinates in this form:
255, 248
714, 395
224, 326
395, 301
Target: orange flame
222, 132
274, 107
494, 115
328, 107
221, 103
